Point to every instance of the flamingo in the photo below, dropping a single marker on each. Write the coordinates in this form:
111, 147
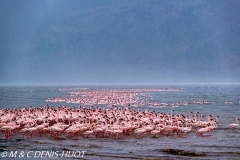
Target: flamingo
71, 131
186, 129
7, 129
87, 133
117, 131
201, 131
234, 125
139, 131
99, 130
155, 132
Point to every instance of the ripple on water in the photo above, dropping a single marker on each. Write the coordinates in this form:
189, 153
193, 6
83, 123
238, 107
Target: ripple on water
89, 146
217, 147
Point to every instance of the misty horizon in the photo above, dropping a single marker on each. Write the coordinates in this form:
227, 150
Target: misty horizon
119, 42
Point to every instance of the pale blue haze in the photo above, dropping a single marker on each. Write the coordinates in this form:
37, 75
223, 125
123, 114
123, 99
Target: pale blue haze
119, 42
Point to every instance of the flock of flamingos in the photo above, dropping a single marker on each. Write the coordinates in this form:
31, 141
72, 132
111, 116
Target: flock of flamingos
112, 121
123, 97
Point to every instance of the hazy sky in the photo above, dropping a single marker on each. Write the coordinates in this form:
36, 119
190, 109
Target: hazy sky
119, 42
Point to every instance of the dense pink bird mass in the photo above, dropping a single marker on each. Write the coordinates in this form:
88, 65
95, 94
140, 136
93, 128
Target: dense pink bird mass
108, 115
116, 122
121, 97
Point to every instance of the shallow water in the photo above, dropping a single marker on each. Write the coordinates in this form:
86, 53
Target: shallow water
221, 143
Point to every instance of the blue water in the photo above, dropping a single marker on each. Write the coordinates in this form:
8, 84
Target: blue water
222, 143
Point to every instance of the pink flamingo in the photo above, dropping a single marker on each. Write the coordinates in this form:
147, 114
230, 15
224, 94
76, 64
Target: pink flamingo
234, 125
201, 131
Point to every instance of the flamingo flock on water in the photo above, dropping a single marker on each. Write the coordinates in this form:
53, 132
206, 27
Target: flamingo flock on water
124, 97
114, 122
